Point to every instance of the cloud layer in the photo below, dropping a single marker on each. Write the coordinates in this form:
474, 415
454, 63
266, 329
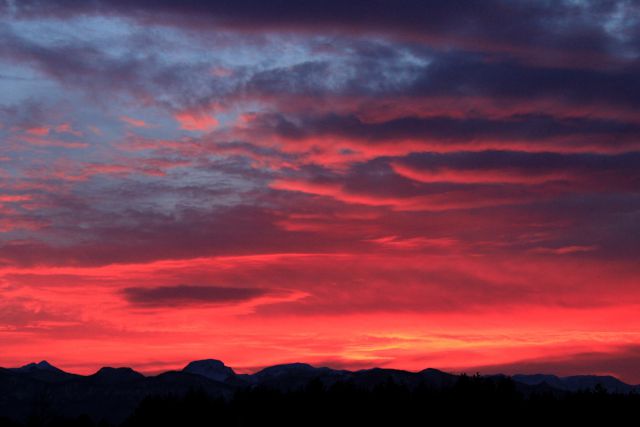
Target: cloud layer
398, 183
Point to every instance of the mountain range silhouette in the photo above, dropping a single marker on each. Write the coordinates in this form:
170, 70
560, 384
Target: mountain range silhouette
113, 394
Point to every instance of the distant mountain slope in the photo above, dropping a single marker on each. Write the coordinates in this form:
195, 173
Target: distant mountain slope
43, 371
295, 375
37, 367
110, 394
115, 376
113, 393
212, 369
577, 382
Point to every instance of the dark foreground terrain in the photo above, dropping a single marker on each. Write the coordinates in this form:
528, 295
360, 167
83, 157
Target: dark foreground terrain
207, 393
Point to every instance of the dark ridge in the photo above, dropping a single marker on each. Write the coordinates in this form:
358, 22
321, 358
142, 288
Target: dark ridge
207, 392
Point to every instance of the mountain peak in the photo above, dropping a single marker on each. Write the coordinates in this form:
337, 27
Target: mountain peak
116, 375
40, 366
288, 369
210, 368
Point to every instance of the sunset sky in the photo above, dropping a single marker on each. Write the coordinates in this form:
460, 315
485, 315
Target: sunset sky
395, 183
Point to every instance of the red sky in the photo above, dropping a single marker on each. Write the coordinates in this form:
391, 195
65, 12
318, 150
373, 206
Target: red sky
403, 184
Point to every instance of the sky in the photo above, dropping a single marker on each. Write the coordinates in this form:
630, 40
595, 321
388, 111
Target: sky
403, 184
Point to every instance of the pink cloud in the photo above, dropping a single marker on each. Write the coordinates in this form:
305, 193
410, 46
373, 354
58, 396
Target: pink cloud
486, 176
38, 131
195, 121
134, 122
564, 250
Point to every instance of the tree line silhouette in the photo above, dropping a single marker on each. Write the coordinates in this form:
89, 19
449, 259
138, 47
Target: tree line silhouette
471, 400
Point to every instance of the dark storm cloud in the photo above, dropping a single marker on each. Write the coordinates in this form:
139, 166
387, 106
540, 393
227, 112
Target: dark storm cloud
537, 128
463, 74
495, 24
359, 70
617, 171
452, 74
190, 294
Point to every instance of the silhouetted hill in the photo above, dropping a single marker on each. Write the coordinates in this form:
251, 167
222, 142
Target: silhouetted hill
217, 371
42, 392
377, 376
110, 394
293, 376
297, 375
438, 378
42, 366
43, 371
115, 376
577, 382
